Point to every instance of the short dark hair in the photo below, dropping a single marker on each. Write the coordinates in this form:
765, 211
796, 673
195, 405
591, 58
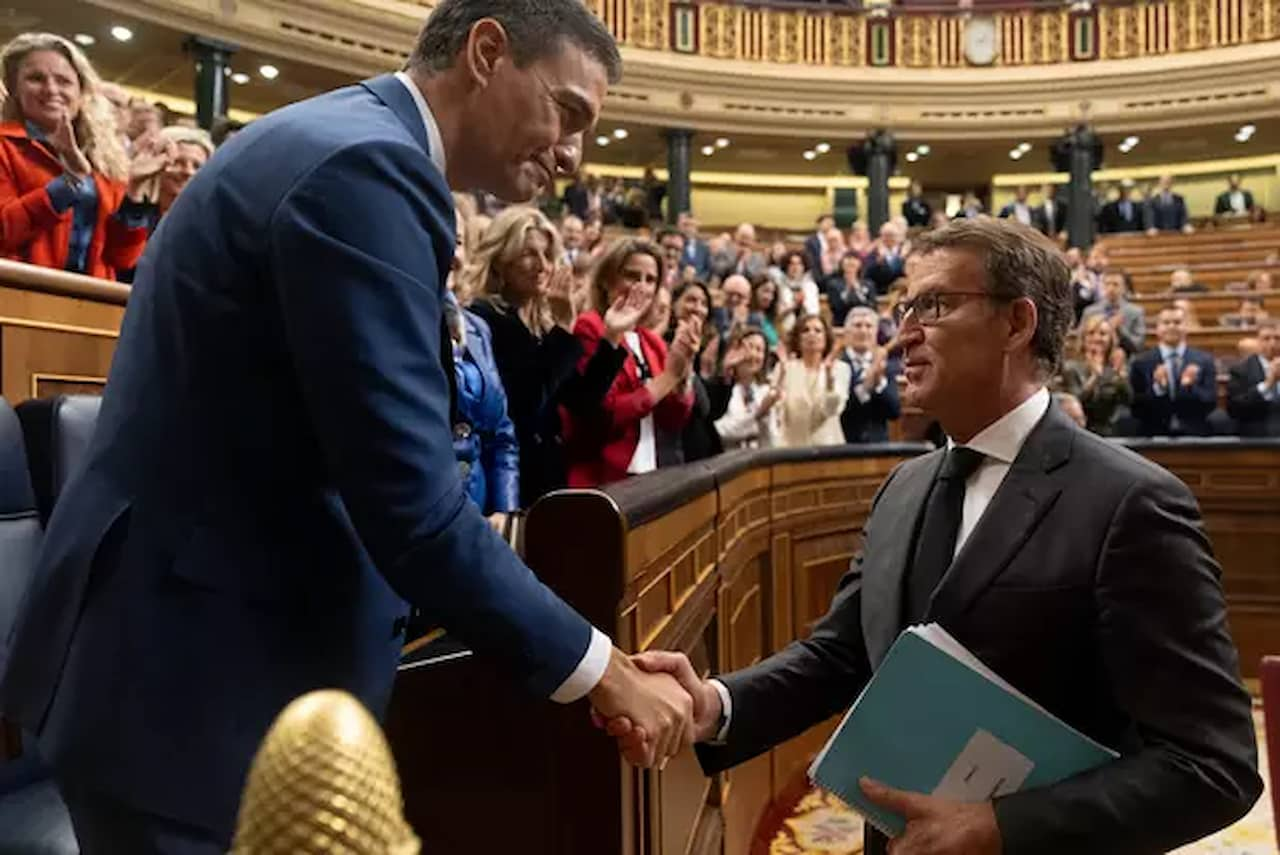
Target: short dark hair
537, 28
1020, 263
667, 232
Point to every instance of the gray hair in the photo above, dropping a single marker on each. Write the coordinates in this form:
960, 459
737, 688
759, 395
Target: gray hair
1020, 263
537, 28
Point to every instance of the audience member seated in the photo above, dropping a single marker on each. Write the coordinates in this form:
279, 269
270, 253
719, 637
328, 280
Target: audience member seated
696, 252
1122, 214
699, 439
1248, 316
768, 314
1166, 211
484, 439
1019, 209
1235, 201
1099, 378
846, 289
1260, 280
886, 260
1175, 387
873, 380
1181, 281
1128, 321
617, 437
915, 210
536, 352
797, 290
1071, 405
1253, 392
68, 198
753, 415
815, 386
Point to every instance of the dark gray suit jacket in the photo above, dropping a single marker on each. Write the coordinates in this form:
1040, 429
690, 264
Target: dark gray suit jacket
1089, 585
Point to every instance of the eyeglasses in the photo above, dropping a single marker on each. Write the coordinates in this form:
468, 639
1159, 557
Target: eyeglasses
930, 307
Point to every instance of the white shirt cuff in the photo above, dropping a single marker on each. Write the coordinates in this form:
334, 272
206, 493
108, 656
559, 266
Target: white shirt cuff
726, 706
1268, 393
589, 671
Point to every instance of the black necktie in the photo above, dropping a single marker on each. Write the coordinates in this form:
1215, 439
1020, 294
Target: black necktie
936, 542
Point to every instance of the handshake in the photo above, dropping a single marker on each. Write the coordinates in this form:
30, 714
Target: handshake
655, 705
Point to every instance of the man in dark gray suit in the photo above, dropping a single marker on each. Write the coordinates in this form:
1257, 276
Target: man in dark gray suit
1075, 569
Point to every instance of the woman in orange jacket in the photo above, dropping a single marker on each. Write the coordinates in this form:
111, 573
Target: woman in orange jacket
68, 193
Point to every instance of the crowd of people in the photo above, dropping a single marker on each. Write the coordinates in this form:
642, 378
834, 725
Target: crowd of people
586, 351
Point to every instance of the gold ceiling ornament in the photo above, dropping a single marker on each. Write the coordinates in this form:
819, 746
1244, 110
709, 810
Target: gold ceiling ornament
324, 781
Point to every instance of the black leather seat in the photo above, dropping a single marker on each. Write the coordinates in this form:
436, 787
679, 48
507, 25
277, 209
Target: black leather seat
58, 431
33, 818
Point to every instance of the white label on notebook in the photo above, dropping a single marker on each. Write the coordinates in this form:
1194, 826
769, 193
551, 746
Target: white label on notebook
985, 769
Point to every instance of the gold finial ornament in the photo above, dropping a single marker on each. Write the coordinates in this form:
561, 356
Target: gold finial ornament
323, 781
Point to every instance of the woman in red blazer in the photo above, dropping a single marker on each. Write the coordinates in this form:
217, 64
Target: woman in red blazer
652, 389
67, 196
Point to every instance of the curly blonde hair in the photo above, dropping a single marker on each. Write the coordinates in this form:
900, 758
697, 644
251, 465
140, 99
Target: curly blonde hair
503, 242
95, 126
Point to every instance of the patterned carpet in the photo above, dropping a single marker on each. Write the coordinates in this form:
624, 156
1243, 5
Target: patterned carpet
820, 824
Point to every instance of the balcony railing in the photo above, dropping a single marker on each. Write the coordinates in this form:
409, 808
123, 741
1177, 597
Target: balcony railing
910, 36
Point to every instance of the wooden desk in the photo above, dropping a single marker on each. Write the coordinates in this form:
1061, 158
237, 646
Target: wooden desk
58, 331
727, 560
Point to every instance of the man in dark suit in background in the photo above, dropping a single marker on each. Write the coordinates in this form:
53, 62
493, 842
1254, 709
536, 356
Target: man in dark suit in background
815, 245
873, 386
1166, 211
1254, 390
272, 475
1019, 209
1175, 386
1050, 216
1123, 214
1235, 201
915, 209
1075, 569
696, 252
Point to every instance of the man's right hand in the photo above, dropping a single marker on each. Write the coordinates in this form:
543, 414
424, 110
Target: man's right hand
658, 710
707, 707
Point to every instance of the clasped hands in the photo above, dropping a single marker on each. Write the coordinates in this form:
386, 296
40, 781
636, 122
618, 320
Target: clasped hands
934, 826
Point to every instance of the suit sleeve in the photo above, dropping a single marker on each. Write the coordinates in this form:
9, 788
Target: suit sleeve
1162, 630
362, 307
1244, 401
22, 216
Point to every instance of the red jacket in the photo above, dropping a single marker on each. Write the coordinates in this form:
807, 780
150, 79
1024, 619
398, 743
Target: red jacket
32, 231
599, 449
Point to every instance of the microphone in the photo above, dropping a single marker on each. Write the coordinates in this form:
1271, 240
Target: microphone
323, 781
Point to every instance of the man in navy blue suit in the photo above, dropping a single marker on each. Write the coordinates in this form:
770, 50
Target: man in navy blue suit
696, 252
272, 478
873, 387
1175, 387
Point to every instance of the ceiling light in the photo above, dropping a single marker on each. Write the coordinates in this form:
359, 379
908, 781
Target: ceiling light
269, 71
121, 34
602, 140
708, 150
84, 39
822, 148
1016, 154
1024, 147
621, 133
923, 150
912, 156
1243, 137
1130, 142
810, 155
723, 142
1248, 130
240, 77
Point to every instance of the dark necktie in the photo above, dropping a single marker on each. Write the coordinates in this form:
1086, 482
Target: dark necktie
936, 542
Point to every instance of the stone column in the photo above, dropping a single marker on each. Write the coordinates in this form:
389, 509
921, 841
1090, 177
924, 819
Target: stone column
1079, 153
679, 195
213, 95
876, 159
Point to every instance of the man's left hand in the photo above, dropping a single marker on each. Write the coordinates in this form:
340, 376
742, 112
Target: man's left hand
938, 826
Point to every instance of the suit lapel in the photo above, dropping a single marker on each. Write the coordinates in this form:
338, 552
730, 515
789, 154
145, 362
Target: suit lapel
897, 517
1026, 494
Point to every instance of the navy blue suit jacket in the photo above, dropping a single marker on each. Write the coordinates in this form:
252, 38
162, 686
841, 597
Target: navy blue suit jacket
272, 476
697, 254
1169, 217
869, 422
1191, 406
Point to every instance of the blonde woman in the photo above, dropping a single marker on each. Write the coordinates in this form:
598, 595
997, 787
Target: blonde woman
68, 193
183, 151
519, 289
1100, 377
815, 387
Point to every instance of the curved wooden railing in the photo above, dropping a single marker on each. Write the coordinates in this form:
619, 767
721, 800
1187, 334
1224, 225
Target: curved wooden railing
727, 560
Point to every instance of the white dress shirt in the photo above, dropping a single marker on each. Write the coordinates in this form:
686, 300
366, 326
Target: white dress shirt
596, 659
1001, 441
645, 458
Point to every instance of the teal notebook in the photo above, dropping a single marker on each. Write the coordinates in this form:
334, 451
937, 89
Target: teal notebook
936, 720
